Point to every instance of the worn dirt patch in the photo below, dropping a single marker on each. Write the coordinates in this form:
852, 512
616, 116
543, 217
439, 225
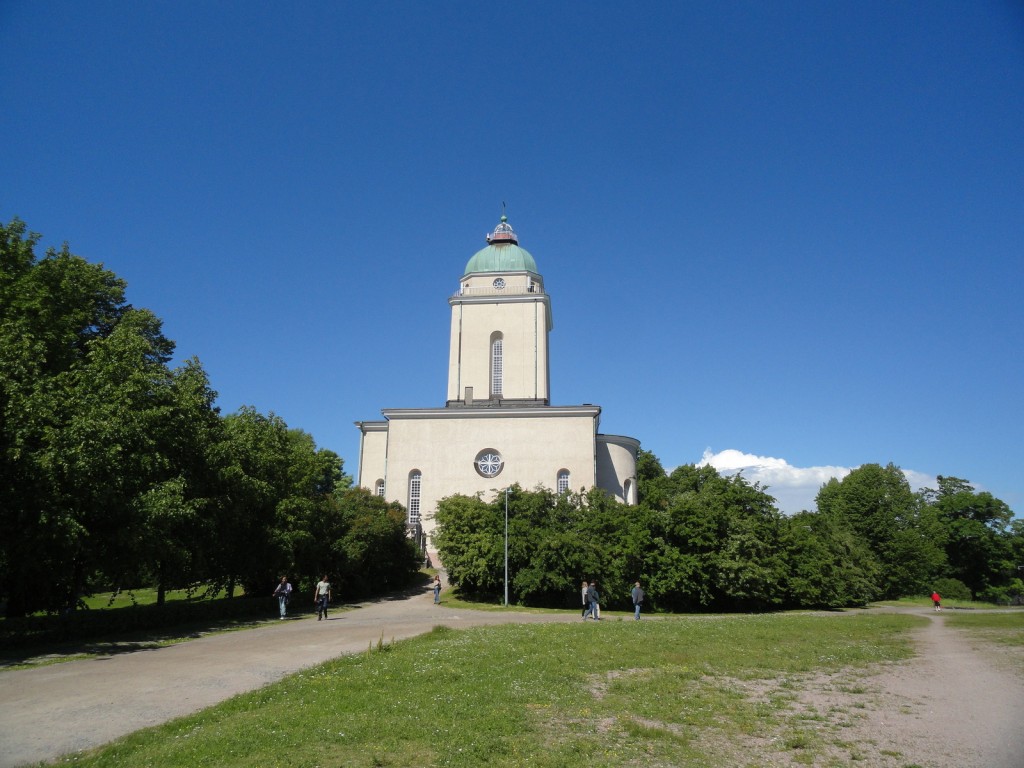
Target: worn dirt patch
957, 704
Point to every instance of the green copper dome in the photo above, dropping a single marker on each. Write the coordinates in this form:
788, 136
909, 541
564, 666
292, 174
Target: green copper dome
502, 254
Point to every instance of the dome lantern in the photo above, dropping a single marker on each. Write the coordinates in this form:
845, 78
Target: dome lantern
503, 233
502, 254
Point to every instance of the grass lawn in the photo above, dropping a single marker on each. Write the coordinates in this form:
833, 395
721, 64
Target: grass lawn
73, 650
39, 653
1003, 627
947, 604
675, 691
145, 596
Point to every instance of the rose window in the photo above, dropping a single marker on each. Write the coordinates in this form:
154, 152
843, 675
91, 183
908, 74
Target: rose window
489, 463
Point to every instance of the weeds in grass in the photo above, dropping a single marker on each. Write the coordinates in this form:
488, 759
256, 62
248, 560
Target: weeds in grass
1003, 627
676, 692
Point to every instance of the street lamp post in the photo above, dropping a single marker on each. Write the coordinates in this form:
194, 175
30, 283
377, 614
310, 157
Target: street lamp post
506, 547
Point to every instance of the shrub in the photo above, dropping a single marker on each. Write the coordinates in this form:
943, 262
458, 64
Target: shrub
951, 589
1012, 594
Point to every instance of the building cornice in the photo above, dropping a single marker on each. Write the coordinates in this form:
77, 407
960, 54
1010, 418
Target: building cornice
619, 440
534, 412
371, 426
501, 298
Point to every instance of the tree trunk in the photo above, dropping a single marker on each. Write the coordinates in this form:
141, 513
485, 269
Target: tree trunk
161, 587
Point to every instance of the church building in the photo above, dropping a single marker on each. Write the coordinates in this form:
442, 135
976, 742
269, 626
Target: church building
498, 426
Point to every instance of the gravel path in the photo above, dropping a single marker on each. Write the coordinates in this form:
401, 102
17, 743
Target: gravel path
54, 710
952, 705
947, 708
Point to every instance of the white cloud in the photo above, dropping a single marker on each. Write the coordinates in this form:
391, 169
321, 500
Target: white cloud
794, 488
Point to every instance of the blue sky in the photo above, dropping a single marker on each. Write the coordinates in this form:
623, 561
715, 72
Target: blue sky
780, 237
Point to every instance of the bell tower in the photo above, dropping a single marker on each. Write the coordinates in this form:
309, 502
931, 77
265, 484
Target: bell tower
501, 318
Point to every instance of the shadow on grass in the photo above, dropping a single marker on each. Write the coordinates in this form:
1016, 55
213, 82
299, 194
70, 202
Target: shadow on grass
105, 646
420, 585
101, 647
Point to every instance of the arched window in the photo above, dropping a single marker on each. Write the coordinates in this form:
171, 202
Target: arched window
563, 481
415, 479
378, 488
627, 492
497, 364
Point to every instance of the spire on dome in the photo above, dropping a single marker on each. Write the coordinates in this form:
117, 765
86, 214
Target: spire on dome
503, 233
502, 253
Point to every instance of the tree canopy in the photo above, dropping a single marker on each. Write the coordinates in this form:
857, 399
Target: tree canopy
701, 541
117, 470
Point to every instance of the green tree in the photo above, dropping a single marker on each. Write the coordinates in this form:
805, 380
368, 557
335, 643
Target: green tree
727, 533
653, 486
375, 554
287, 507
1014, 586
176, 535
878, 506
470, 541
829, 566
557, 539
306, 509
116, 470
81, 373
256, 506
709, 542
976, 534
106, 450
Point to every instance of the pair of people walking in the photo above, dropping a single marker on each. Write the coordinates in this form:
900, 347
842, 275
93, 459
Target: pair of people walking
321, 596
591, 600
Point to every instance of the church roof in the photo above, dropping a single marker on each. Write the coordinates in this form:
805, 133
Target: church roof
502, 253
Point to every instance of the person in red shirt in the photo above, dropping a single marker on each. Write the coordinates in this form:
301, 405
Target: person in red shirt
937, 601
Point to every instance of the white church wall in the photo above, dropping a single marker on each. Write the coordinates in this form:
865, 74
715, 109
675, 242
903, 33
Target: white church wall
443, 450
616, 466
523, 326
372, 453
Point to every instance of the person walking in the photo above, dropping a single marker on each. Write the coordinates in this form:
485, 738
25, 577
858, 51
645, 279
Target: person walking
637, 594
282, 593
937, 601
583, 598
321, 597
595, 601
437, 589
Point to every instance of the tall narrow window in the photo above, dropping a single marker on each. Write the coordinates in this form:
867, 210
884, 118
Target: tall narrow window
414, 496
563, 481
379, 490
627, 492
497, 366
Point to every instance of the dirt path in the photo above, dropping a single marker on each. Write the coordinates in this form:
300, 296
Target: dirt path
62, 708
949, 707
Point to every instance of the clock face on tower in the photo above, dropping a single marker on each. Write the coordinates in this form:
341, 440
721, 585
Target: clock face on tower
499, 283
